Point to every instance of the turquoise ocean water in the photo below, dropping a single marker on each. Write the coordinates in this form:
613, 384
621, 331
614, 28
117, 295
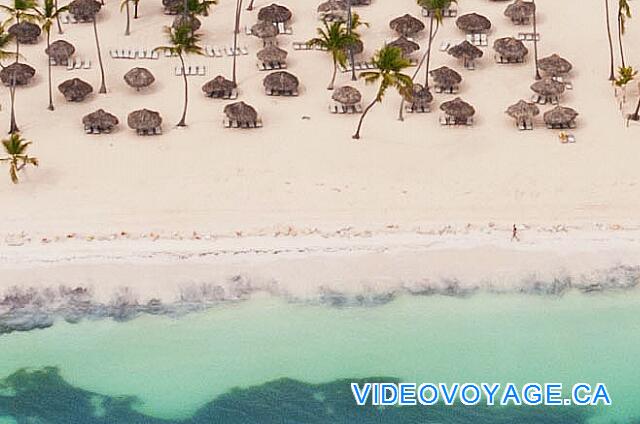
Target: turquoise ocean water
269, 361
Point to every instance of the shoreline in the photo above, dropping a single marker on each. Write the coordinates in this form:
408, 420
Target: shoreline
121, 279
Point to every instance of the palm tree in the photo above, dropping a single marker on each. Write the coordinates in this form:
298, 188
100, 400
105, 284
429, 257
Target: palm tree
436, 13
103, 85
334, 38
20, 12
535, 40
60, 31
183, 41
611, 64
624, 12
124, 4
390, 62
46, 15
626, 74
135, 8
236, 31
16, 147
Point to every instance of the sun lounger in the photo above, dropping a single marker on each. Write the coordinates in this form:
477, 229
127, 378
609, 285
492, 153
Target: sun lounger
444, 46
87, 64
178, 71
480, 40
300, 45
247, 30
71, 65
114, 54
525, 125
244, 50
277, 93
282, 29
132, 54
203, 71
469, 65
528, 36
447, 120
505, 61
410, 108
446, 13
271, 66
446, 90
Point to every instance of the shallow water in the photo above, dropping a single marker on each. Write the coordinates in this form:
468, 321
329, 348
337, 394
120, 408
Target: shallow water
293, 362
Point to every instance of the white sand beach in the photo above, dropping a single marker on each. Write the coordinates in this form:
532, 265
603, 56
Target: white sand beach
307, 177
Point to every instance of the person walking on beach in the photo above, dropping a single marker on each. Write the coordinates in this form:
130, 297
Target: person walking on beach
514, 233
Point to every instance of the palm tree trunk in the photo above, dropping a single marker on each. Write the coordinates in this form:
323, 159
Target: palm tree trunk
183, 120
349, 31
127, 31
431, 36
356, 136
620, 38
335, 72
636, 114
135, 9
611, 70
535, 41
12, 91
250, 7
17, 41
49, 70
103, 86
185, 9
236, 31
58, 17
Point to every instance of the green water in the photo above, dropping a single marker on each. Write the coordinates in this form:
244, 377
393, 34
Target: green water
174, 367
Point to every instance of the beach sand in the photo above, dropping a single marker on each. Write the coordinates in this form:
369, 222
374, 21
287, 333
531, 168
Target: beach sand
307, 177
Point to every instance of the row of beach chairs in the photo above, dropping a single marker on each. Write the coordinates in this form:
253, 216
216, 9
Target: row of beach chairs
345, 109
271, 66
155, 131
446, 90
479, 40
227, 95
302, 45
507, 61
68, 18
134, 54
450, 12
191, 71
567, 84
78, 64
543, 100
449, 121
528, 36
411, 108
92, 130
292, 93
235, 124
282, 29
228, 51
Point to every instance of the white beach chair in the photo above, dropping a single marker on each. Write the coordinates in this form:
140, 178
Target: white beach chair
155, 55
244, 50
87, 64
203, 71
71, 65
444, 46
132, 54
178, 71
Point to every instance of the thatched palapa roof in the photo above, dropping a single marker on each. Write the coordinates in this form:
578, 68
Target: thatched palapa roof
60, 50
144, 120
473, 23
357, 46
523, 110
274, 13
272, 54
218, 87
406, 25
17, 73
139, 78
172, 5
520, 11
465, 50
554, 65
548, 87
241, 112
100, 120
190, 20
25, 32
75, 90
510, 48
446, 77
560, 116
420, 96
334, 9
281, 81
407, 46
458, 109
347, 95
264, 30
84, 10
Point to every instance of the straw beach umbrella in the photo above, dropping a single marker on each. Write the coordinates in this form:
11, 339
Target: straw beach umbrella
266, 31
17, 73
274, 13
333, 10
406, 25
144, 120
446, 78
466, 51
347, 95
272, 55
60, 51
458, 109
421, 97
473, 23
75, 90
520, 11
554, 65
193, 22
100, 121
84, 10
281, 82
548, 88
405, 45
139, 78
218, 87
523, 112
25, 32
242, 113
560, 117
172, 7
510, 49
